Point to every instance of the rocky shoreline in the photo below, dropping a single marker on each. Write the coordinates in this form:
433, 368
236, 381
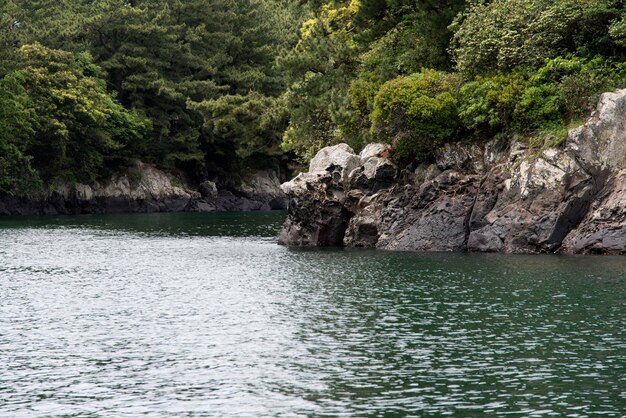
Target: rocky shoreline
146, 189
478, 198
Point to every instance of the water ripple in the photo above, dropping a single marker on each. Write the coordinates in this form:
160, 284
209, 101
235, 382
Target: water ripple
175, 316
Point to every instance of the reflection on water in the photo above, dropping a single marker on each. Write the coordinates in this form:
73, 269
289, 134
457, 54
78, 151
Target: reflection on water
202, 314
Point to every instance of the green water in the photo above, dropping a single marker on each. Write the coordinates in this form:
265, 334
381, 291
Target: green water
204, 315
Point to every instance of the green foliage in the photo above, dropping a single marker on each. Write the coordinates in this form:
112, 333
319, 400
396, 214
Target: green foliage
487, 104
214, 86
503, 34
417, 113
320, 66
540, 106
75, 124
345, 52
357, 123
547, 100
167, 60
246, 125
580, 81
16, 116
565, 89
350, 70
617, 30
415, 36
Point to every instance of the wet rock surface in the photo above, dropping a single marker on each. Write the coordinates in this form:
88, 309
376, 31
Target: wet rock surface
475, 198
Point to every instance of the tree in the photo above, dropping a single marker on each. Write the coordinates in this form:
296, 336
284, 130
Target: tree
504, 34
75, 128
16, 129
162, 57
345, 52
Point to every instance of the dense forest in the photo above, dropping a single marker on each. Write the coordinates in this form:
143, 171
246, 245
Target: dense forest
210, 88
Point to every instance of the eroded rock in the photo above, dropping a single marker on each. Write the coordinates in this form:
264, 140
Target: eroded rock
488, 199
320, 209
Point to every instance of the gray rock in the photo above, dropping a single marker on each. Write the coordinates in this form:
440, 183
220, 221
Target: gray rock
262, 183
454, 156
339, 160
208, 189
362, 229
318, 214
603, 229
432, 217
375, 150
600, 144
278, 203
373, 175
144, 188
487, 199
532, 208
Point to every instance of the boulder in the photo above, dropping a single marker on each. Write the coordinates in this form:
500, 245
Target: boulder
318, 211
375, 174
375, 150
208, 190
339, 160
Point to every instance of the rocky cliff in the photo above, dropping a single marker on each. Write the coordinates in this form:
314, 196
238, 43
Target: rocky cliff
144, 188
475, 198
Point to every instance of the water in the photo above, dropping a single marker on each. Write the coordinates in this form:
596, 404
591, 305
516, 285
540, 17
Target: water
203, 315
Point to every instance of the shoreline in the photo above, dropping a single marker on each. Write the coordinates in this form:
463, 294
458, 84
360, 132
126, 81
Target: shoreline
476, 197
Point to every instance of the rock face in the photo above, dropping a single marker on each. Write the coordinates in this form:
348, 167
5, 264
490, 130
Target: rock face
600, 146
320, 207
144, 188
475, 198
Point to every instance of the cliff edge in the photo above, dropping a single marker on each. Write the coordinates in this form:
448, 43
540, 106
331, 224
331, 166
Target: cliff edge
479, 198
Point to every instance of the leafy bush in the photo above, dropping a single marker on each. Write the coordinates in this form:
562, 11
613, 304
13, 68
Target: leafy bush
581, 81
503, 34
564, 90
417, 113
541, 106
487, 104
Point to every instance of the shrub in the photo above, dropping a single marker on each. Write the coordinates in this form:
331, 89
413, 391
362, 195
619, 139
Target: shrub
581, 81
417, 113
503, 34
487, 104
565, 89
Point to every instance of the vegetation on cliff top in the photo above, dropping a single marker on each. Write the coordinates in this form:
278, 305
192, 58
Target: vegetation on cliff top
417, 73
210, 87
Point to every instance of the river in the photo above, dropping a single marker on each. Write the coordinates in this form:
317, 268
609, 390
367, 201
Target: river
204, 315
